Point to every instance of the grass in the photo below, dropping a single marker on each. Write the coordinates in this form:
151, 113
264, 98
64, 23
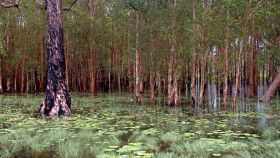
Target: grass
110, 126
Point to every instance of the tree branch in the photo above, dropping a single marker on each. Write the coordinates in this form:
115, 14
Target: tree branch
133, 7
69, 8
8, 4
255, 9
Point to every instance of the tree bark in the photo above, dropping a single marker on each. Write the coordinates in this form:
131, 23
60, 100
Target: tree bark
7, 64
138, 66
27, 82
152, 82
92, 10
237, 79
225, 91
202, 62
251, 63
169, 86
67, 65
193, 59
22, 76
57, 100
42, 76
271, 90
1, 84
175, 49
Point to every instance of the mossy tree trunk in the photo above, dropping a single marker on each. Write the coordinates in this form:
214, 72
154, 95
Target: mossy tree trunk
57, 100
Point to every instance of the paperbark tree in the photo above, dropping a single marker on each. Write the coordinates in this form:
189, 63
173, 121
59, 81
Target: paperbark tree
1, 85
193, 58
225, 91
152, 74
57, 100
137, 58
92, 10
271, 90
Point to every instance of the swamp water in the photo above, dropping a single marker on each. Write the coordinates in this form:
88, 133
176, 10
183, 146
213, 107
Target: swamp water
110, 125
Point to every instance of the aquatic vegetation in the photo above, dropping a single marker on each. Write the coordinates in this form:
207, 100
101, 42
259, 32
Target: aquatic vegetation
110, 126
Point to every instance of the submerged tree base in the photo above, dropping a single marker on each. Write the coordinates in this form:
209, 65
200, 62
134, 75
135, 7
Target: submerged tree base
57, 100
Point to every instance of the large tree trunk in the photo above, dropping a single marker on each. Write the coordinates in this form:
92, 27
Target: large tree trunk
57, 100
272, 88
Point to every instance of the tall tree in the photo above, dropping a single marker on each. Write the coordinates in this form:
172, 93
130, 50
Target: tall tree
57, 100
193, 57
137, 59
225, 91
272, 88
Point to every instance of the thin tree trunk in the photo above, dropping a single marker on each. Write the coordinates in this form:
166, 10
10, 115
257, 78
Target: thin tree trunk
202, 62
67, 65
251, 62
138, 66
237, 79
91, 63
34, 78
169, 86
42, 77
152, 83
16, 77
256, 69
57, 100
7, 64
22, 76
175, 49
193, 58
130, 69
225, 91
1, 84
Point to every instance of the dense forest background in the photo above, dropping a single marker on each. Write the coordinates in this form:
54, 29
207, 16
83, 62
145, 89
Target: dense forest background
146, 46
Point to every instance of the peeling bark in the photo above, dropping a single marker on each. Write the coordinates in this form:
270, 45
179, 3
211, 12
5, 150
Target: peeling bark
57, 100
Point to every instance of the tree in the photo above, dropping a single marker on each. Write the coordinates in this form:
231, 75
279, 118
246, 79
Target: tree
272, 88
57, 100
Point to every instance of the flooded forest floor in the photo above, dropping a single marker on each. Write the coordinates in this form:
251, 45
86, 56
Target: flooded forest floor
111, 125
